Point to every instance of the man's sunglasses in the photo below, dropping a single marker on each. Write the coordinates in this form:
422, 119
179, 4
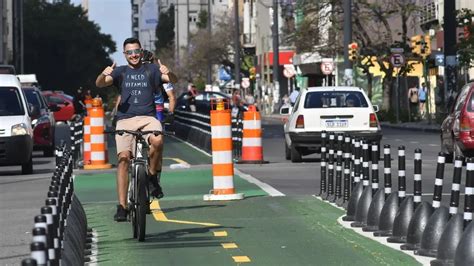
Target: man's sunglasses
134, 51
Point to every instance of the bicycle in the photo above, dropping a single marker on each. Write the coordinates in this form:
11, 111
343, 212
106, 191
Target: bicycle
138, 191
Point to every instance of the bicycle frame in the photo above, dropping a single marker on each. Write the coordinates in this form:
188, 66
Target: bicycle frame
141, 148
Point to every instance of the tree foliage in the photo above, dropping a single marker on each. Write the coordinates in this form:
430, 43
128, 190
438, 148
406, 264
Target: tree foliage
165, 31
464, 18
62, 47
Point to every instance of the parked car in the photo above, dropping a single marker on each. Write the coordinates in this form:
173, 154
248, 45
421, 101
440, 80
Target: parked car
43, 123
16, 132
457, 129
203, 101
62, 100
336, 109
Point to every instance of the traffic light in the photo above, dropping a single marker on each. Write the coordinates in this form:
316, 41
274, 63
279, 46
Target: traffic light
426, 46
415, 44
252, 72
353, 54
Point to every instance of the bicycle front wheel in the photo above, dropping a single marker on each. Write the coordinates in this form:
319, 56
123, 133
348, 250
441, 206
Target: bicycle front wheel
142, 201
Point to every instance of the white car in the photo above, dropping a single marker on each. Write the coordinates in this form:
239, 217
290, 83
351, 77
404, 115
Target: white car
16, 133
331, 109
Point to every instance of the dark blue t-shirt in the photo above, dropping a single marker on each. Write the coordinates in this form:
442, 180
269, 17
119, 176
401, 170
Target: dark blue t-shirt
136, 92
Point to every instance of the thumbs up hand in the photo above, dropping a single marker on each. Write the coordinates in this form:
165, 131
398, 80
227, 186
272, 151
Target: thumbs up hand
163, 69
108, 70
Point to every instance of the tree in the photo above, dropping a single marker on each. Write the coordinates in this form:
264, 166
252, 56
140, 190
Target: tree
62, 47
165, 31
464, 18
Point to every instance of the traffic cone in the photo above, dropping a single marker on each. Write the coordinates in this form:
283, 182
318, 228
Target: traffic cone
97, 137
252, 150
87, 141
222, 164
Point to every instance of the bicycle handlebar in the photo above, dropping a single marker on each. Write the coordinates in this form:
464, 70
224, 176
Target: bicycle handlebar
139, 133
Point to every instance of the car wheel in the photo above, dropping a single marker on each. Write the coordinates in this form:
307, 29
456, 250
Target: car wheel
287, 152
48, 151
295, 154
27, 168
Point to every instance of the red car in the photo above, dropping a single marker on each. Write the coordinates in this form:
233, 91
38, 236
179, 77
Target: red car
457, 129
64, 101
43, 120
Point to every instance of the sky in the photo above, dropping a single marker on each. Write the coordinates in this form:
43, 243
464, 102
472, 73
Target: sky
114, 18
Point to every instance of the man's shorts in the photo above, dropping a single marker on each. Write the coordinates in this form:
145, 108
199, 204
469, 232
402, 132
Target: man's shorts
126, 142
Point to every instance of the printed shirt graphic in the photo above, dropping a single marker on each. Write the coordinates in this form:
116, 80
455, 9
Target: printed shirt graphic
136, 92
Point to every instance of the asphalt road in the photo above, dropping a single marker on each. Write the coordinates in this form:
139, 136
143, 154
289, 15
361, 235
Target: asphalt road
22, 196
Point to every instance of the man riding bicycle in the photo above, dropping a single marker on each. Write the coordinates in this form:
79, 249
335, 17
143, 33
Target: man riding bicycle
138, 84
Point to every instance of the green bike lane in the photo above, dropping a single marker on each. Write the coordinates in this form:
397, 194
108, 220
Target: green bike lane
259, 230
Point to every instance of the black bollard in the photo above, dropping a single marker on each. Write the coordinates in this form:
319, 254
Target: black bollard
402, 221
469, 192
39, 236
330, 167
390, 207
51, 202
48, 213
378, 200
366, 196
464, 252
357, 190
39, 253
322, 189
347, 173
438, 220
423, 210
29, 262
338, 188
401, 174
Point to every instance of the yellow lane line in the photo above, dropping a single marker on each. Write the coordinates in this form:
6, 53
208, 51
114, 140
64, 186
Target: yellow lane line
160, 216
177, 160
240, 259
229, 245
220, 233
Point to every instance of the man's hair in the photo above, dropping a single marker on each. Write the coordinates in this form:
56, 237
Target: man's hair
131, 40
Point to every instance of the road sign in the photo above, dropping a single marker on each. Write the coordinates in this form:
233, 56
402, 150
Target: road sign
439, 59
397, 60
245, 83
289, 71
327, 67
396, 50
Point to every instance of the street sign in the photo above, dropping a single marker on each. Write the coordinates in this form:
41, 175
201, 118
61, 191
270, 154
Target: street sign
439, 59
396, 50
327, 67
245, 83
289, 71
397, 60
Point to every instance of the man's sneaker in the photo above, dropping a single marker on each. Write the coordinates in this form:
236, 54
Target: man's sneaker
121, 215
156, 191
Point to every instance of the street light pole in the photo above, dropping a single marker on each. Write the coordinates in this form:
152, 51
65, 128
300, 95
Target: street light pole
347, 39
276, 51
209, 67
237, 45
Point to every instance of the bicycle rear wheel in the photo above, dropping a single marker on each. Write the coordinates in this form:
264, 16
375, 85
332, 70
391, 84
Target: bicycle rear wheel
142, 201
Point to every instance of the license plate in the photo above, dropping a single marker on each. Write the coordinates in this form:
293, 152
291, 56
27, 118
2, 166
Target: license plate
337, 123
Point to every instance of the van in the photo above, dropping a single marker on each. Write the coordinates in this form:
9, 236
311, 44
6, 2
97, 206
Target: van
16, 133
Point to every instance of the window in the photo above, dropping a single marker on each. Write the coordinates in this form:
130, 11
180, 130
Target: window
335, 99
10, 102
462, 97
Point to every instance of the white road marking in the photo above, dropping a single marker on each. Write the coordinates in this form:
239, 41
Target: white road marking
264, 186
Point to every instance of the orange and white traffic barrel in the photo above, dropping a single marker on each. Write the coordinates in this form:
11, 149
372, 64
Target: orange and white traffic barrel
252, 150
222, 164
87, 141
98, 147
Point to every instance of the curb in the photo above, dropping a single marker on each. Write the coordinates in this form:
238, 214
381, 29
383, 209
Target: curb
414, 128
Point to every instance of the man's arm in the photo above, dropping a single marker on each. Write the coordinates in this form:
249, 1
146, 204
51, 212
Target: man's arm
105, 79
172, 100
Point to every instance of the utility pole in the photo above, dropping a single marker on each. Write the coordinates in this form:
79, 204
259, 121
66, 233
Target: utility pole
209, 31
348, 80
450, 73
276, 51
237, 45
